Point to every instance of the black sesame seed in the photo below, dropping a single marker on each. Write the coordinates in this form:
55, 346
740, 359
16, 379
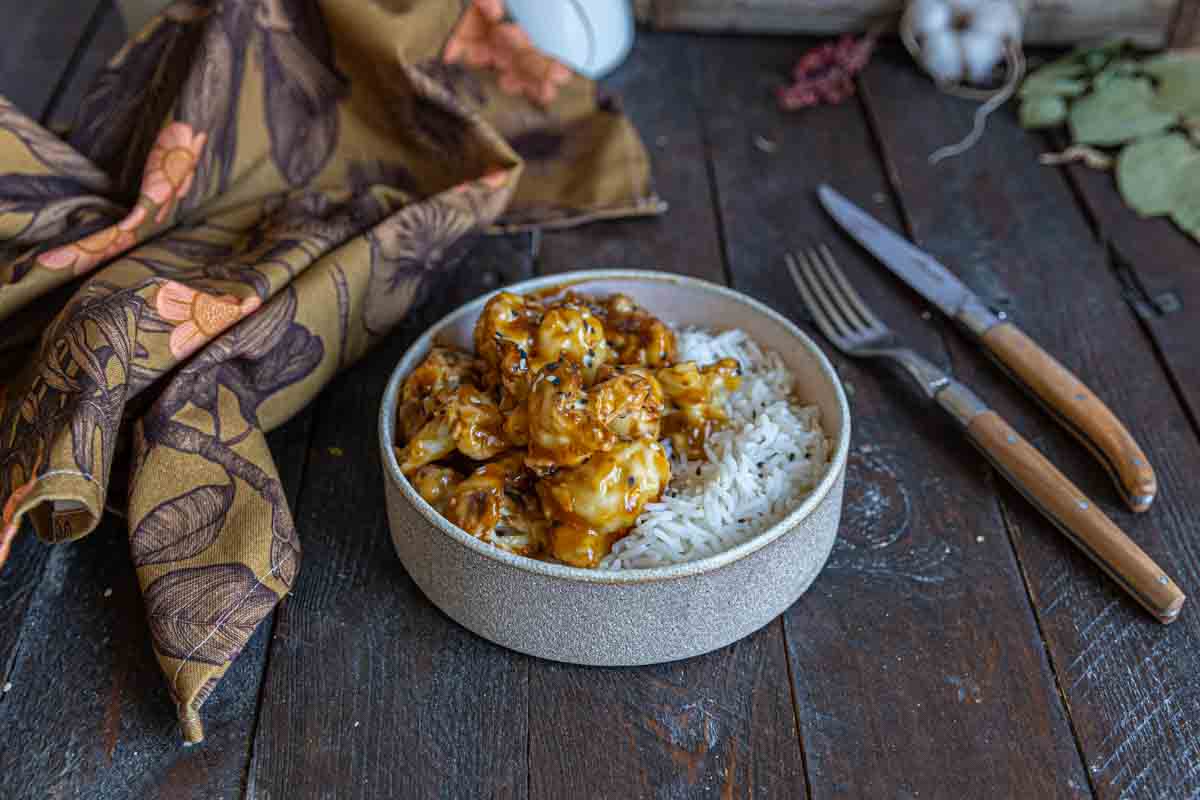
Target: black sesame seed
697, 471
554, 380
632, 481
791, 456
762, 464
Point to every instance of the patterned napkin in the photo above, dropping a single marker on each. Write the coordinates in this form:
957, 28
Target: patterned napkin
257, 191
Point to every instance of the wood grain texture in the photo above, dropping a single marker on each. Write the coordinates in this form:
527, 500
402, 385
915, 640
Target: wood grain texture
719, 725
1047, 21
103, 726
25, 569
1009, 227
1154, 262
1077, 515
371, 689
1185, 27
914, 655
1084, 414
107, 35
38, 42
686, 238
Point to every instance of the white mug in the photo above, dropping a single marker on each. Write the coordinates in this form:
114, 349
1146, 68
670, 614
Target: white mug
590, 36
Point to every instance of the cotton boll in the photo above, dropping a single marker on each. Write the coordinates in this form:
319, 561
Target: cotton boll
943, 57
998, 18
981, 52
926, 17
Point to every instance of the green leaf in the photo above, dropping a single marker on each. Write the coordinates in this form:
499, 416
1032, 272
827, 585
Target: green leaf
1052, 78
1178, 77
1096, 57
1187, 217
1039, 85
1119, 111
1122, 67
1147, 171
1043, 111
1161, 175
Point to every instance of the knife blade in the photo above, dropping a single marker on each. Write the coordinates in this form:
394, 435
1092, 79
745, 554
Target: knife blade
914, 266
1059, 391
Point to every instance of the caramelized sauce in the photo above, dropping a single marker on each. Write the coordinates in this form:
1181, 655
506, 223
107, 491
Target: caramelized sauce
555, 422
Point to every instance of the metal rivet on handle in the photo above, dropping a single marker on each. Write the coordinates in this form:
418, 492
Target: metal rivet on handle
1083, 504
1081, 396
1011, 439
1164, 580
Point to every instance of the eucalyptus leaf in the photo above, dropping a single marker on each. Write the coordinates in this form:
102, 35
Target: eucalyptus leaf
1161, 175
1178, 77
1122, 67
1147, 171
1096, 57
1043, 111
1187, 217
1120, 111
1036, 86
1058, 77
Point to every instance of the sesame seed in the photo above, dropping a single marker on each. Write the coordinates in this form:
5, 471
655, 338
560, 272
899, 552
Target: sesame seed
632, 481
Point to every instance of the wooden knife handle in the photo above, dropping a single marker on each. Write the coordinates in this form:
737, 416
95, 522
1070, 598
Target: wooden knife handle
1079, 411
1076, 516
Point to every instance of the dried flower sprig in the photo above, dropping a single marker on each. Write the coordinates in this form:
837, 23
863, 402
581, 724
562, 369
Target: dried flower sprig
825, 74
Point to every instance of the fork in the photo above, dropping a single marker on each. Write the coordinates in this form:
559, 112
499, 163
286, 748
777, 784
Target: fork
853, 328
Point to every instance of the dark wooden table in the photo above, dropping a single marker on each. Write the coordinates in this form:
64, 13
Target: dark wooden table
955, 646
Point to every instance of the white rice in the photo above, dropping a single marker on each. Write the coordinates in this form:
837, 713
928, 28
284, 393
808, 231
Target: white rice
756, 471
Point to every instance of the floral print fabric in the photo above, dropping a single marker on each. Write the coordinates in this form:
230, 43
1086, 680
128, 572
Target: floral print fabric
252, 194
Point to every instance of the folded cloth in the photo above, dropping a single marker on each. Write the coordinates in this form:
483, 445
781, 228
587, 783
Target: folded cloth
257, 190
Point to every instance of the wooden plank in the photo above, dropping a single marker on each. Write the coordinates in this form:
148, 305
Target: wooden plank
370, 687
108, 36
716, 725
1012, 230
88, 713
1185, 29
685, 239
1152, 257
30, 71
37, 44
917, 664
105, 727
1047, 21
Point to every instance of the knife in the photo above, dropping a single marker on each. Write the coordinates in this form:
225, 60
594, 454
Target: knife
1058, 390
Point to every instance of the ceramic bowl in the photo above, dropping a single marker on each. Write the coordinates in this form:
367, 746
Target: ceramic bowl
634, 616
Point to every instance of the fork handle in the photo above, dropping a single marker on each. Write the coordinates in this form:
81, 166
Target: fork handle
1078, 409
1053, 494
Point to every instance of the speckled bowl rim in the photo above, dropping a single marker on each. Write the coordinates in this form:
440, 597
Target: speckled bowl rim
633, 576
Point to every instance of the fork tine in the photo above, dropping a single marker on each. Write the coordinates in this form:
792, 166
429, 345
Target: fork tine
815, 308
819, 273
849, 291
829, 295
